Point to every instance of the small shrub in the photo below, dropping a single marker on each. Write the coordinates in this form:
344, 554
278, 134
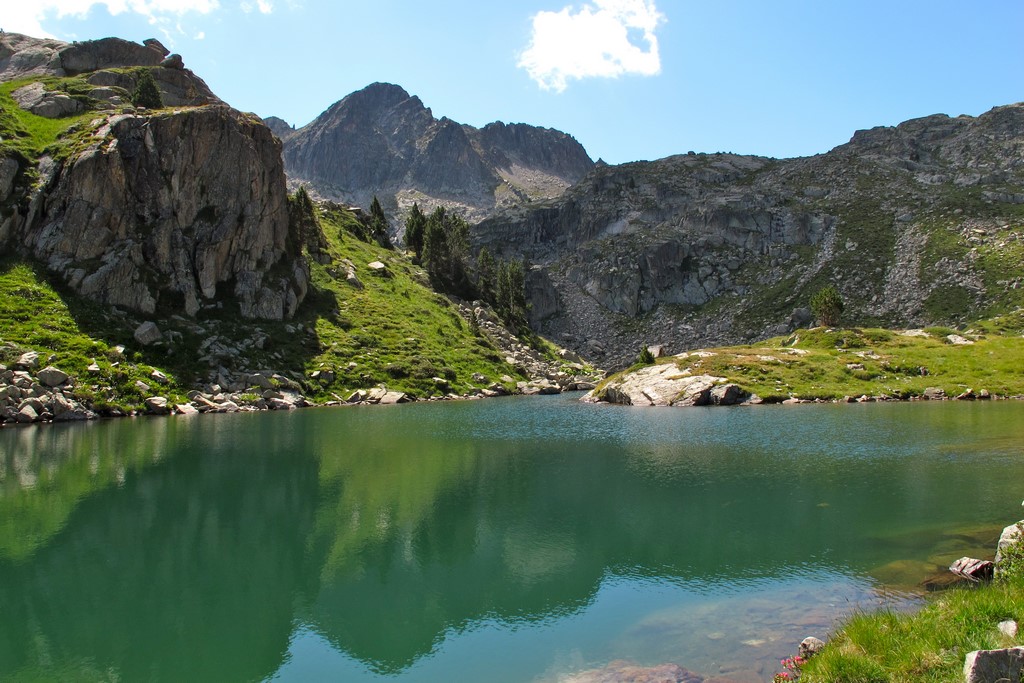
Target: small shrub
827, 306
645, 357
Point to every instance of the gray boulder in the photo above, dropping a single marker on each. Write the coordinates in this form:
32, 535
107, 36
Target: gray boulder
728, 395
157, 405
26, 415
994, 666
173, 62
51, 376
22, 56
810, 646
28, 361
148, 333
36, 99
68, 410
154, 44
393, 397
1011, 535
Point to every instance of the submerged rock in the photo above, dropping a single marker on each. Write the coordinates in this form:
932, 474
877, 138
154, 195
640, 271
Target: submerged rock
627, 672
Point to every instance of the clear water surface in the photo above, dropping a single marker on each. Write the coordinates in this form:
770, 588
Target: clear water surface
509, 540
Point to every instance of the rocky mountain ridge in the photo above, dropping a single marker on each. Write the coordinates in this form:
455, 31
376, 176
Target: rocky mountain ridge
381, 141
917, 224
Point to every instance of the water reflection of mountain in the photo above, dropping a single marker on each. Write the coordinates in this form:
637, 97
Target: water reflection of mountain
192, 550
188, 570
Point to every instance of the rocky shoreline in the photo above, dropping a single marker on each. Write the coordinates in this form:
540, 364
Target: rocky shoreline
31, 394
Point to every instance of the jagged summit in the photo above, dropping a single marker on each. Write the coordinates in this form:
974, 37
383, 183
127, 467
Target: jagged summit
383, 141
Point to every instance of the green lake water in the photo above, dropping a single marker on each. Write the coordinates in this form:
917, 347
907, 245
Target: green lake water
509, 540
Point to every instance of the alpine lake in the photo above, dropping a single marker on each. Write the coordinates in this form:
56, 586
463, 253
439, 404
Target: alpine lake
518, 540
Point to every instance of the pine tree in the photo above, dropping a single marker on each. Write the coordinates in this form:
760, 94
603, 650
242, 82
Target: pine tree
146, 93
485, 274
415, 227
379, 225
445, 243
510, 293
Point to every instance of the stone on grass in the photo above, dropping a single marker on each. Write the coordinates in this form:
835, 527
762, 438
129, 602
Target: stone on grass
1008, 628
28, 361
993, 666
51, 376
810, 646
1010, 536
148, 333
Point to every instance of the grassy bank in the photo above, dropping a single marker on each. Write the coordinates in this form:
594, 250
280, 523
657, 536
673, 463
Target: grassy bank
392, 329
832, 364
928, 646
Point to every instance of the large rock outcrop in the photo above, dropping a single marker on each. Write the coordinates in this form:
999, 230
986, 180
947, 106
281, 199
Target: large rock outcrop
181, 208
382, 141
172, 208
915, 224
104, 63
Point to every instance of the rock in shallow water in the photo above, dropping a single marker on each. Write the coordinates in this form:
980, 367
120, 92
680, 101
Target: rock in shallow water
627, 672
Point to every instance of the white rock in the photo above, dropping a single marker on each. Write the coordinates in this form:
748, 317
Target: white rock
51, 376
1008, 628
28, 361
157, 405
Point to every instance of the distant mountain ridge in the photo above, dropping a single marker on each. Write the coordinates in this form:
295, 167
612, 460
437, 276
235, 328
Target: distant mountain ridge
381, 141
918, 224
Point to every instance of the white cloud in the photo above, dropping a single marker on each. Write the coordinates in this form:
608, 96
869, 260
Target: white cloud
264, 6
28, 17
606, 39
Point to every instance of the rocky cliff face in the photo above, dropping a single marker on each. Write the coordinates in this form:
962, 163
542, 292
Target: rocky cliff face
153, 210
917, 224
178, 208
382, 141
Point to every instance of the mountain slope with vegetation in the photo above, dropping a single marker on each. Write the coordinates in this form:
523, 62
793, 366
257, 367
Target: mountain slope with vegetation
915, 225
152, 257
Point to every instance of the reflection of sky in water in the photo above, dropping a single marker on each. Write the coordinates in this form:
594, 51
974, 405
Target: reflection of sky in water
743, 625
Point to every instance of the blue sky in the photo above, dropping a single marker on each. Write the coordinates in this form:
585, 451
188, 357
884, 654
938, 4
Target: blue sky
629, 79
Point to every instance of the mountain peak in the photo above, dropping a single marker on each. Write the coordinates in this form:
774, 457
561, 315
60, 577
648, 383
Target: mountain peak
381, 141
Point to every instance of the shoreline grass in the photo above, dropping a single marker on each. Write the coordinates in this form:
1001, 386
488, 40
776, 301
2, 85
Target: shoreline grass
837, 364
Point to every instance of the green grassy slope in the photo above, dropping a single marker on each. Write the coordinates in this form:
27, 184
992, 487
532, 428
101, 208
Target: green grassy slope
394, 331
832, 364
